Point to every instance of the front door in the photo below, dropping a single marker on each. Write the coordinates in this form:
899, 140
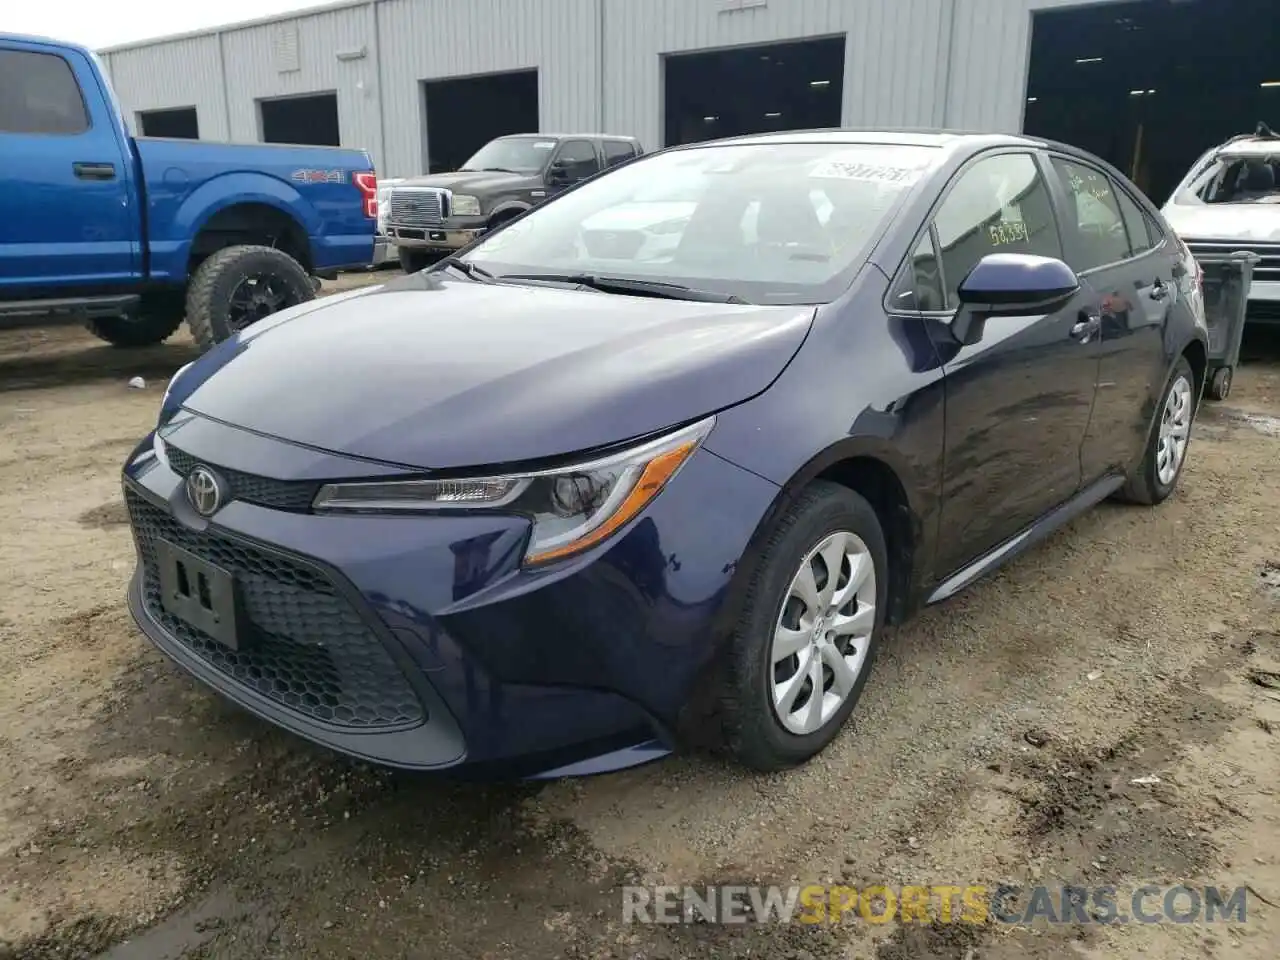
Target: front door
67, 217
1018, 401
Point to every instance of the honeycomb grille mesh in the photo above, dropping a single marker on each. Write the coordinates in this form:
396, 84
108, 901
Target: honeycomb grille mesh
306, 647
295, 495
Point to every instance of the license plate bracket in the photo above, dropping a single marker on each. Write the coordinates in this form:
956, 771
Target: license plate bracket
199, 593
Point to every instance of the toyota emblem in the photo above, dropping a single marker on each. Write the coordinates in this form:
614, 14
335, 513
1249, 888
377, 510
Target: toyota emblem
204, 490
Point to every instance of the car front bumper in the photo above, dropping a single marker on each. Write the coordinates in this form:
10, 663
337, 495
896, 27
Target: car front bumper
419, 642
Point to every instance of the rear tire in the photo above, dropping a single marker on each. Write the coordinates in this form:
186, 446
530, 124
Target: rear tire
270, 279
1175, 416
1220, 386
412, 261
767, 692
142, 331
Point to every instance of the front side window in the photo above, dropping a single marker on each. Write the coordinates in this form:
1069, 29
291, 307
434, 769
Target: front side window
1093, 215
999, 205
767, 222
512, 155
577, 158
39, 94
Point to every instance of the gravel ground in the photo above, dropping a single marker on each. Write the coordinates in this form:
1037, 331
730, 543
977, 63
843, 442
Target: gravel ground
141, 817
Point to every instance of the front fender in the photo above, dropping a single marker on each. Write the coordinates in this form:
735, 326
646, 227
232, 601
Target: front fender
173, 235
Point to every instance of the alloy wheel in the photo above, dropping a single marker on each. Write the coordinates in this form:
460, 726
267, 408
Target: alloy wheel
823, 633
1175, 431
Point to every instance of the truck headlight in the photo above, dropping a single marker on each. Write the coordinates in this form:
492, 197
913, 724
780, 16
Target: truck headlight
572, 508
465, 206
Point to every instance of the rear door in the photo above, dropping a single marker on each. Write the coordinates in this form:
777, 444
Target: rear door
1018, 401
67, 213
1127, 266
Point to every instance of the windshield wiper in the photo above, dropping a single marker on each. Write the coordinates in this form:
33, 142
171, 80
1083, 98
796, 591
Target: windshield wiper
468, 270
500, 170
644, 288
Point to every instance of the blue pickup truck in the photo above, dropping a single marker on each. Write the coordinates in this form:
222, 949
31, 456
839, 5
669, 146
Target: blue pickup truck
131, 234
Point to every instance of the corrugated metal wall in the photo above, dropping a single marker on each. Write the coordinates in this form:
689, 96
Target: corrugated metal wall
958, 63
178, 73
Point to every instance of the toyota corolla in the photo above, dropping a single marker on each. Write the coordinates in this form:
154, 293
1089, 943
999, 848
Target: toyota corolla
536, 514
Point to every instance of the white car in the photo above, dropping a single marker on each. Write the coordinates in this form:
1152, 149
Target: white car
1229, 202
384, 251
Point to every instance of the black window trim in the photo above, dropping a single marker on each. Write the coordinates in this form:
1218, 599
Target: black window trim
1038, 157
1115, 187
75, 79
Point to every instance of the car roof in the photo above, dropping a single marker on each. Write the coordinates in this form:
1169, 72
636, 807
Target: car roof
43, 42
567, 136
921, 137
1253, 147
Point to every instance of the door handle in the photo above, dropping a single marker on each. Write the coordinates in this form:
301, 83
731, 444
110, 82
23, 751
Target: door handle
94, 171
1159, 290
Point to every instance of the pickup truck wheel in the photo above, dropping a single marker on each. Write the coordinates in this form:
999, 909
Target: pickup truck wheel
411, 261
238, 286
143, 331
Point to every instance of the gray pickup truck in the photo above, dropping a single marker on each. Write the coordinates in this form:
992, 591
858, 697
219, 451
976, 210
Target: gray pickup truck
442, 212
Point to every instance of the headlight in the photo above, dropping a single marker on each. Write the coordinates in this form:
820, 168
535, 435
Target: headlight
465, 206
572, 508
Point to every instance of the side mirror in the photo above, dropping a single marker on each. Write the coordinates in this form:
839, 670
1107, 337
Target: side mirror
558, 172
1010, 284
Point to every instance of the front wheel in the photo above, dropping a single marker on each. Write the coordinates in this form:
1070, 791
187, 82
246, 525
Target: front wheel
1220, 384
238, 286
803, 648
412, 261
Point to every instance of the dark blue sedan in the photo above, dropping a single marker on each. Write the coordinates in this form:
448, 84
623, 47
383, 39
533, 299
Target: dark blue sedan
654, 465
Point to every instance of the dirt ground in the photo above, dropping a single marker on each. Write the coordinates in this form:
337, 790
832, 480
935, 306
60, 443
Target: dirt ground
142, 818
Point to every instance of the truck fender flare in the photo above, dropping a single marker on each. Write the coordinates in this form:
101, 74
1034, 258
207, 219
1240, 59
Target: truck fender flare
511, 206
236, 189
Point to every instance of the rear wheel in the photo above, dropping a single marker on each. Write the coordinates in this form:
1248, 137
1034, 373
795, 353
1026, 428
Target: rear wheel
411, 261
1166, 451
141, 331
238, 286
1220, 385
810, 627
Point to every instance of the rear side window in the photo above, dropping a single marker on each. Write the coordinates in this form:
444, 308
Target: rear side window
1093, 214
1137, 223
617, 151
999, 205
39, 94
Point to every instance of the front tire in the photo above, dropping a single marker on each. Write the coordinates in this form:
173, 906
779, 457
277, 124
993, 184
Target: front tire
1220, 384
238, 286
809, 630
1170, 439
413, 261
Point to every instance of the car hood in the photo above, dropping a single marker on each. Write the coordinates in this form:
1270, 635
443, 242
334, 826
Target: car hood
477, 180
1244, 222
437, 373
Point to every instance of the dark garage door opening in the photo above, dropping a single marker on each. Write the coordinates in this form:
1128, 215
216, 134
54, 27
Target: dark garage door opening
311, 119
465, 113
179, 122
1151, 85
724, 93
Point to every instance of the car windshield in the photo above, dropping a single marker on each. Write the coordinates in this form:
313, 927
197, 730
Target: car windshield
764, 222
1236, 179
516, 154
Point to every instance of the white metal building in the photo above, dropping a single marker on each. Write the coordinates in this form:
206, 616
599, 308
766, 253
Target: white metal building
602, 64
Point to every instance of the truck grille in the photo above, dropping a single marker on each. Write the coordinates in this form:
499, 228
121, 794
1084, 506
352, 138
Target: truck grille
304, 646
418, 207
1267, 270
296, 495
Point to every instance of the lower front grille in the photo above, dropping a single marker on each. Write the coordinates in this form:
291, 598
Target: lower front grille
305, 647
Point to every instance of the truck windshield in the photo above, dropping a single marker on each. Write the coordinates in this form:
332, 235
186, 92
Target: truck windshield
763, 222
1228, 179
512, 155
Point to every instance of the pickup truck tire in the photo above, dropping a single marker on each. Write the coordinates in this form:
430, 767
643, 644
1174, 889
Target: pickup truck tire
238, 286
143, 331
411, 261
